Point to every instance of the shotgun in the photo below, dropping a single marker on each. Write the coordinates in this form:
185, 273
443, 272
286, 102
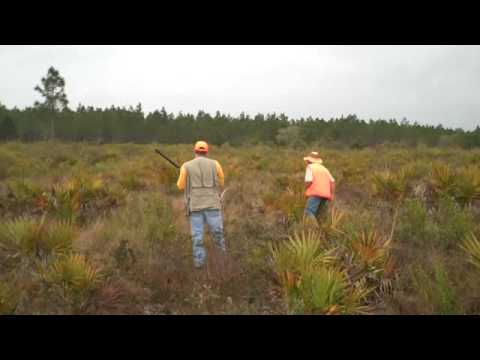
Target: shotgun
167, 158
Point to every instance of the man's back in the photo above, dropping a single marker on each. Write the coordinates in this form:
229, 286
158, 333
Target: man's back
201, 179
201, 172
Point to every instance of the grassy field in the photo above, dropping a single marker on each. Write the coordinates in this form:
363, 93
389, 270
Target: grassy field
101, 229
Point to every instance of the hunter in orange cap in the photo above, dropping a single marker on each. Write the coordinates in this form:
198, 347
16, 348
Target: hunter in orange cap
202, 179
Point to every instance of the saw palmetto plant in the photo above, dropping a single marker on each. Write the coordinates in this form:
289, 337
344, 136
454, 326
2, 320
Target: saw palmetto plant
369, 259
371, 248
25, 235
355, 301
467, 184
301, 253
38, 237
391, 186
327, 291
471, 246
74, 274
59, 237
322, 291
333, 225
443, 179
311, 279
69, 200
65, 200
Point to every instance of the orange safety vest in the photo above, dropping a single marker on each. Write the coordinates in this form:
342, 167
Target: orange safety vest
321, 182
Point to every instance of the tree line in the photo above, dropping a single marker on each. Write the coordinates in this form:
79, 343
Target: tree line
54, 119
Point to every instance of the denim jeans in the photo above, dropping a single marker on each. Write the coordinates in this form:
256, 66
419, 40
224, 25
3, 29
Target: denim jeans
214, 220
315, 205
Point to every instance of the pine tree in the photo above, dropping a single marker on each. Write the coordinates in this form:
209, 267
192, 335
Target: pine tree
53, 91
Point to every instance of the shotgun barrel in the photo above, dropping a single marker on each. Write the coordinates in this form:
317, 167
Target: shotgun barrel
167, 158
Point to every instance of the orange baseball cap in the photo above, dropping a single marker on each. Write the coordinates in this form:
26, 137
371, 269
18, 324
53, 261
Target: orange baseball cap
201, 146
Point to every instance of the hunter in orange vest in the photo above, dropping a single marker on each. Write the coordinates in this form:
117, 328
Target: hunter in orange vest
202, 178
319, 185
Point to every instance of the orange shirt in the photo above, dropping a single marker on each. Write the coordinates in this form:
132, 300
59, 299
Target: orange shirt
321, 181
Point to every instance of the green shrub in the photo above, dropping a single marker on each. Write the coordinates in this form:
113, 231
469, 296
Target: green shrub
452, 222
158, 222
435, 289
146, 222
414, 225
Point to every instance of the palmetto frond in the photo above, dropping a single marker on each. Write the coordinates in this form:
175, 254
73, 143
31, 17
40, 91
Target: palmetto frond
37, 237
25, 234
467, 185
327, 291
300, 254
471, 245
73, 272
443, 179
390, 186
334, 221
323, 290
59, 237
371, 248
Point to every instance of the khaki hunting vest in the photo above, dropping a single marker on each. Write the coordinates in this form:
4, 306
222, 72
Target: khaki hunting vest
201, 190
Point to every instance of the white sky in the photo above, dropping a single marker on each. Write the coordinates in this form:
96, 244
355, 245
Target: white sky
428, 84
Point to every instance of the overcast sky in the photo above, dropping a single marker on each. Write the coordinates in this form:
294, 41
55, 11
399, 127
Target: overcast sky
428, 84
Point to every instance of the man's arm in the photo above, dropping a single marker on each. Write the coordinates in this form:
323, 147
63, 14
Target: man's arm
182, 178
308, 177
220, 175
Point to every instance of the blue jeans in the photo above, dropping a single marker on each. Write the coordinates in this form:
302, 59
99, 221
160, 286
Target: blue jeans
315, 205
215, 225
